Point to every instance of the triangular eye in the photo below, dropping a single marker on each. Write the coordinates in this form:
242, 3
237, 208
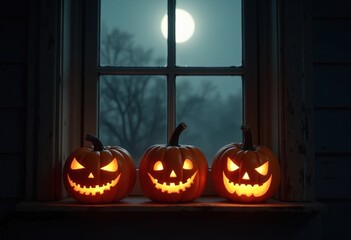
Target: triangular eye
231, 165
188, 164
158, 166
75, 165
263, 169
111, 167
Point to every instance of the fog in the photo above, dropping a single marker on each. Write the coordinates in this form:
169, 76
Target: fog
133, 108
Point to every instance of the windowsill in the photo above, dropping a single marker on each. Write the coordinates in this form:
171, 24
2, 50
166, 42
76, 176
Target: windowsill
142, 204
136, 217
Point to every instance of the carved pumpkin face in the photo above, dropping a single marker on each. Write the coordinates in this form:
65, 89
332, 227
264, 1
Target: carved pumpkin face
173, 173
100, 174
165, 178
245, 173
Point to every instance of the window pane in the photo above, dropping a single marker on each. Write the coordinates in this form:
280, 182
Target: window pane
130, 33
217, 38
132, 112
211, 106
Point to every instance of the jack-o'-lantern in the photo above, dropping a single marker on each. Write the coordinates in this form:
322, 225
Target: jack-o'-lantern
99, 174
171, 172
245, 172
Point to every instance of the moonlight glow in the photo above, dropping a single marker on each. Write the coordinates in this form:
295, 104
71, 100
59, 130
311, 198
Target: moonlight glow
185, 26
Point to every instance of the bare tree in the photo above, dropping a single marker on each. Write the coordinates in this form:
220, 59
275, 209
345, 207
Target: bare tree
133, 107
131, 114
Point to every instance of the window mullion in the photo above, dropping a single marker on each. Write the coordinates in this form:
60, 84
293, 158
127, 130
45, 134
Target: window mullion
171, 108
91, 74
250, 58
189, 71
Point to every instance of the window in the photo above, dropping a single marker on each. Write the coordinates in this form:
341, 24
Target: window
146, 82
275, 88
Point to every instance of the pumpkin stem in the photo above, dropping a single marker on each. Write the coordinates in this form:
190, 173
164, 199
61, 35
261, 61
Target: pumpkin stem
173, 141
247, 138
98, 146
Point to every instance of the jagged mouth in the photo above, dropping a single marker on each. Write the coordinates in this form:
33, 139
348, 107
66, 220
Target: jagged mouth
247, 189
172, 187
84, 190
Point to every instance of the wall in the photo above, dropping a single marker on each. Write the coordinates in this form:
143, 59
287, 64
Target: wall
332, 81
13, 78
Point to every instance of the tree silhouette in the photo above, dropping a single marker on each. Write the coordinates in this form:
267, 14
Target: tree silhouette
132, 108
214, 120
131, 114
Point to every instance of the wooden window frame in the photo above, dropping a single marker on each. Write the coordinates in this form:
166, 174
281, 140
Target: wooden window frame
93, 71
55, 116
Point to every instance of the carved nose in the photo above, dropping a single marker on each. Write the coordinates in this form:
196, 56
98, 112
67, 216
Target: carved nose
173, 174
91, 175
246, 176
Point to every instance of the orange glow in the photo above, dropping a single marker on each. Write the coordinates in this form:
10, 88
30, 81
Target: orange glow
75, 165
111, 167
231, 165
173, 174
188, 164
172, 187
248, 190
263, 169
158, 166
84, 190
246, 176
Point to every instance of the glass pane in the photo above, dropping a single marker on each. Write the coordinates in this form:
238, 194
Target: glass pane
217, 37
132, 112
130, 33
211, 106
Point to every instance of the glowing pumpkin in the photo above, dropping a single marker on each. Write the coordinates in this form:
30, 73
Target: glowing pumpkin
99, 174
245, 172
172, 172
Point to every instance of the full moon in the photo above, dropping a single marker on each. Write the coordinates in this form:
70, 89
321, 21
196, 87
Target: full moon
185, 26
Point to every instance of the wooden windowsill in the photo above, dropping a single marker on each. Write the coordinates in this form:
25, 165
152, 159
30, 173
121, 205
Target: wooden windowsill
136, 217
143, 204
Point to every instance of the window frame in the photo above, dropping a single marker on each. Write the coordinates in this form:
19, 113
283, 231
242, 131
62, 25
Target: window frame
92, 69
92, 72
60, 71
